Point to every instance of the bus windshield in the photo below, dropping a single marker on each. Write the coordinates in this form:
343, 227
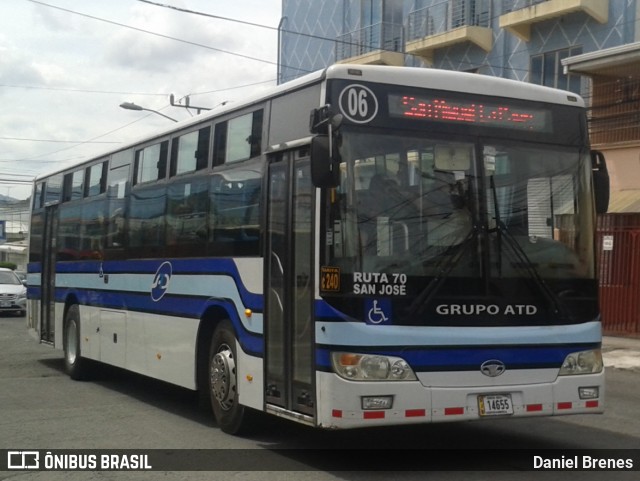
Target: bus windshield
505, 217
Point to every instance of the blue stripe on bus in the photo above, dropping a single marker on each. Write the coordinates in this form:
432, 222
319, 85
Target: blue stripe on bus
463, 358
188, 306
193, 267
169, 305
252, 343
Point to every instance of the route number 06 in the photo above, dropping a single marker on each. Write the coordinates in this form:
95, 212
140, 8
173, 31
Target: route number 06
358, 104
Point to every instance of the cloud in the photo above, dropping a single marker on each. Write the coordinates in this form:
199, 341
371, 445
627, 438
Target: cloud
131, 48
16, 68
81, 63
53, 20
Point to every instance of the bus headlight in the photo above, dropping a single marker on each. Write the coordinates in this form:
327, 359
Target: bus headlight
371, 367
584, 362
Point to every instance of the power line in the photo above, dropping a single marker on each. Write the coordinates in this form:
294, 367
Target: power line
39, 159
16, 181
93, 140
249, 57
13, 174
209, 15
504, 67
268, 27
485, 62
235, 88
68, 89
58, 141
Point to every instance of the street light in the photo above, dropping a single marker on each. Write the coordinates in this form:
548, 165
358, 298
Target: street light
132, 106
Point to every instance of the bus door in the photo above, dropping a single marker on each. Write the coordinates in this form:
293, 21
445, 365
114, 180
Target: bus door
289, 284
48, 281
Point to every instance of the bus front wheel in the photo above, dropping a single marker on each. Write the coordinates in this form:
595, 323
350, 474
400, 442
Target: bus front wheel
75, 365
223, 380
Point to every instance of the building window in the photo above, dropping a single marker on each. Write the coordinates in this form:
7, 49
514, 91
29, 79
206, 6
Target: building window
371, 12
546, 69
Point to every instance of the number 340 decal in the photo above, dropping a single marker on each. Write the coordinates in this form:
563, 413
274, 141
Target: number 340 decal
358, 104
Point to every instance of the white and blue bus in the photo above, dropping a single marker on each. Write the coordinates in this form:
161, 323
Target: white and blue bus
364, 246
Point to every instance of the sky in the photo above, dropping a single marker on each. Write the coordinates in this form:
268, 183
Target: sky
67, 65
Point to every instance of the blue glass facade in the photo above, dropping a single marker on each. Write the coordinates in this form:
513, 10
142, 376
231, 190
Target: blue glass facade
327, 31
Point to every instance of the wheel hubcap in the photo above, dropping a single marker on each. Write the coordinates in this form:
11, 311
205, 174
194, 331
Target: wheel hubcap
223, 377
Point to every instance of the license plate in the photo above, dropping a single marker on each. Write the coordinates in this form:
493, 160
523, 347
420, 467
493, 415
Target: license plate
5, 304
495, 405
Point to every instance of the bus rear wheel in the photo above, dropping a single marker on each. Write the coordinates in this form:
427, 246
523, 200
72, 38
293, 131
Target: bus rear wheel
223, 381
75, 365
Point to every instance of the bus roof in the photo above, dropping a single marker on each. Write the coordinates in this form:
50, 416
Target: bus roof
454, 81
449, 80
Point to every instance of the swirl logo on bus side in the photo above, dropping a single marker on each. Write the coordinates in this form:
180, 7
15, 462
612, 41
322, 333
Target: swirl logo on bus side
161, 281
358, 104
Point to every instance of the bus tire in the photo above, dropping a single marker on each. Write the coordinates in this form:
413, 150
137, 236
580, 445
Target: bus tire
223, 381
75, 365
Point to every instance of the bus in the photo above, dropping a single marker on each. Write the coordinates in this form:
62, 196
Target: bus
363, 246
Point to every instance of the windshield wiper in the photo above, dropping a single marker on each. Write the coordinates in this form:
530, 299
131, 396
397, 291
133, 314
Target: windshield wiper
425, 296
524, 262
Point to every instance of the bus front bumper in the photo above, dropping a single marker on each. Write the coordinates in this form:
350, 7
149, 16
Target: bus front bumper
347, 404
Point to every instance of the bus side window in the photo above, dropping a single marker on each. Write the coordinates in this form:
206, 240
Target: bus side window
190, 152
92, 229
219, 143
73, 187
96, 179
234, 218
53, 190
238, 139
117, 193
187, 213
151, 163
69, 242
38, 196
147, 221
36, 236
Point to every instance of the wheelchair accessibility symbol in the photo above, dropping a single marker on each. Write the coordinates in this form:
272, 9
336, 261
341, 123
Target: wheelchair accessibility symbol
377, 311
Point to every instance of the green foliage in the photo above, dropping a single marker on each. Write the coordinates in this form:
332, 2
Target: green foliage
9, 265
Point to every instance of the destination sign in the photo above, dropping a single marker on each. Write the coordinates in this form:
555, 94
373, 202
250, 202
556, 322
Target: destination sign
439, 108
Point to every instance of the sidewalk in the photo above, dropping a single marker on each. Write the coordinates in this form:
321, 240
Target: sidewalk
621, 353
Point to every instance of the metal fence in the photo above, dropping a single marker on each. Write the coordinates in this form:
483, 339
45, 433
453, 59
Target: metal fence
445, 16
381, 36
618, 239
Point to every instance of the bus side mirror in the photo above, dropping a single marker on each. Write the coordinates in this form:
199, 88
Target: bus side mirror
600, 181
325, 171
325, 158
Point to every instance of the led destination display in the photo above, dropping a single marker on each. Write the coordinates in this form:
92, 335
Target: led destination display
442, 109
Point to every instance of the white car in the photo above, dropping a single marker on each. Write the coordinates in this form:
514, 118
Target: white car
13, 293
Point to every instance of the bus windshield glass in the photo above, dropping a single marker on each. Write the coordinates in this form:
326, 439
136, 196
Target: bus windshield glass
447, 230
